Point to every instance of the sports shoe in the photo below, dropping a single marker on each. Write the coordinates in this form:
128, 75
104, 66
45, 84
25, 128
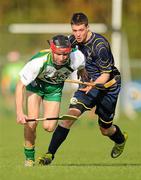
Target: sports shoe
29, 163
118, 148
46, 159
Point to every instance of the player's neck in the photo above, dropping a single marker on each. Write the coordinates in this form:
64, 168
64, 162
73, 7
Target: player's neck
88, 36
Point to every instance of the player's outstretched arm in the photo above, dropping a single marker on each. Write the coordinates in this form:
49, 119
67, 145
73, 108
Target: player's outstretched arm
19, 96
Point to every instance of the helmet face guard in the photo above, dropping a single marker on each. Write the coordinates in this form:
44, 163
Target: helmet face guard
60, 45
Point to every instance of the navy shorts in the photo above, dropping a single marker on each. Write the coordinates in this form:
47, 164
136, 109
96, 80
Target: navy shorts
104, 100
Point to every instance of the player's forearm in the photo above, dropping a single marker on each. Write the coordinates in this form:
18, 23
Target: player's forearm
19, 98
103, 78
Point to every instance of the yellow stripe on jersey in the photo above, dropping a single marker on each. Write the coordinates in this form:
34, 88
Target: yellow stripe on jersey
84, 105
105, 121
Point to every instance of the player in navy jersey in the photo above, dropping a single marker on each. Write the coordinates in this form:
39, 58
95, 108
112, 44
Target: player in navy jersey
100, 68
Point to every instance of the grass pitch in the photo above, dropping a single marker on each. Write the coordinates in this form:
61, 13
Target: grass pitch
84, 155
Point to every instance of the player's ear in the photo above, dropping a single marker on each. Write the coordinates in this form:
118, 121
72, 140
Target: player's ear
48, 42
88, 28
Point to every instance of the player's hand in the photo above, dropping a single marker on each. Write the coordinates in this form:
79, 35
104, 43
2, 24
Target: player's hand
21, 118
86, 89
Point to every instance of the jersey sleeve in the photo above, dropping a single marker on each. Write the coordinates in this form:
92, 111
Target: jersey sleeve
105, 58
31, 70
77, 60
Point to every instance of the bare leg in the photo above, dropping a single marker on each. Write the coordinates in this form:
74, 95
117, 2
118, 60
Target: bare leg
68, 123
33, 106
51, 109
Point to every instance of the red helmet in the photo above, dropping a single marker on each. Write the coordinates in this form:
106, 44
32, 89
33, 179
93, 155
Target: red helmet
60, 44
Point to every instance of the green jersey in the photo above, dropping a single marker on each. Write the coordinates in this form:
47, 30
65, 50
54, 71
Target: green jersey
41, 75
41, 67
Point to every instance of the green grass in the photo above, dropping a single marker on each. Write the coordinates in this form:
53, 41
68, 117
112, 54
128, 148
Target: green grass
85, 155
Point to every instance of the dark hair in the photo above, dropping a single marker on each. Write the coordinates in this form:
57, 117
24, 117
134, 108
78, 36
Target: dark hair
79, 18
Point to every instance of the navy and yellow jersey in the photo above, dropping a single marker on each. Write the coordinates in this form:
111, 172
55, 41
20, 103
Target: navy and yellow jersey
99, 58
41, 67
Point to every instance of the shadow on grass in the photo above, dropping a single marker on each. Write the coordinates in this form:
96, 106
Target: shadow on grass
100, 165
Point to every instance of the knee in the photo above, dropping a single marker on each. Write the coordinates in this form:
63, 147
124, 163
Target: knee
67, 124
105, 127
49, 128
31, 126
104, 132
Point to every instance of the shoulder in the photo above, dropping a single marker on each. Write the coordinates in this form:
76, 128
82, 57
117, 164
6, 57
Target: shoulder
41, 54
39, 59
77, 57
100, 42
76, 52
100, 39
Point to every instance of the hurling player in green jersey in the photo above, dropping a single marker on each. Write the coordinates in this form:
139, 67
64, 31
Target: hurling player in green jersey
43, 78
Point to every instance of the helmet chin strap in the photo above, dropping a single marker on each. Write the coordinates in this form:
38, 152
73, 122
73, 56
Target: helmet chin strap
58, 66
62, 64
